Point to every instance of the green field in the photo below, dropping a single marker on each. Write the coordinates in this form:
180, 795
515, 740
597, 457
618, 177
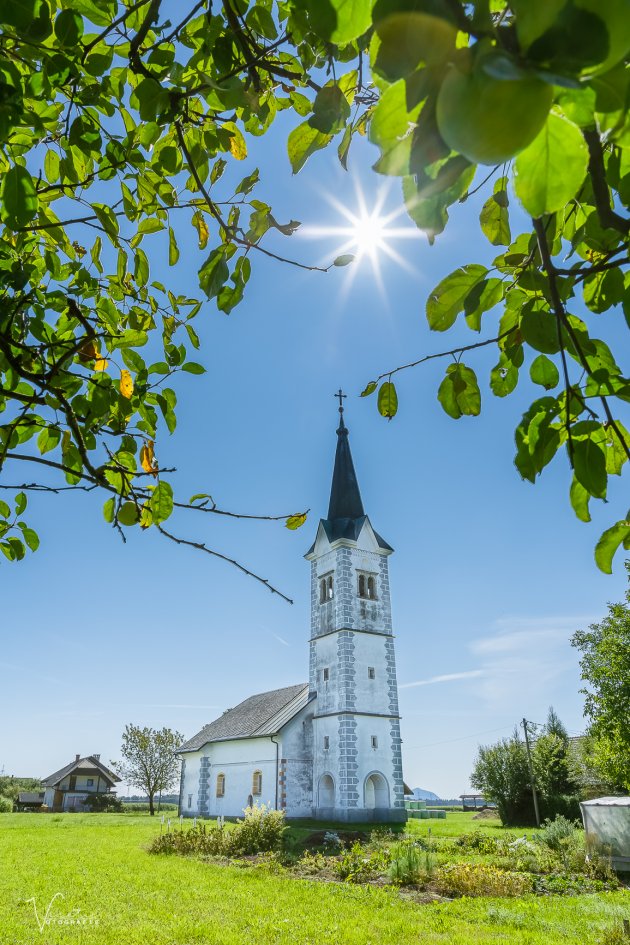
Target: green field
115, 893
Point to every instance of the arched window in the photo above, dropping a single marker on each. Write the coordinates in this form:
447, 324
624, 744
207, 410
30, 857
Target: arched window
257, 783
326, 793
371, 588
220, 785
322, 591
330, 588
376, 791
362, 585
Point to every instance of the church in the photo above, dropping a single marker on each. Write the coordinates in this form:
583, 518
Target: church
329, 748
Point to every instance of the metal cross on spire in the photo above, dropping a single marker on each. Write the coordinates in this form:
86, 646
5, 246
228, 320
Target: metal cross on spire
340, 394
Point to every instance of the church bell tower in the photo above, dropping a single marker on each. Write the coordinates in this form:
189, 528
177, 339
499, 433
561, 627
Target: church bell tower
357, 761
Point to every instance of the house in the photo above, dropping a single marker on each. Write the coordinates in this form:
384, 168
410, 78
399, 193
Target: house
329, 748
29, 800
69, 788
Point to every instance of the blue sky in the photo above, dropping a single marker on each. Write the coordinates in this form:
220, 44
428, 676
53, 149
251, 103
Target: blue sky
491, 575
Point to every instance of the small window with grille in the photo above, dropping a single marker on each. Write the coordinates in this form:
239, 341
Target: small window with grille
326, 742
371, 672
374, 741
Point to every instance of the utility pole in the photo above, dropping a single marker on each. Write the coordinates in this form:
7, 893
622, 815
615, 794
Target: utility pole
531, 772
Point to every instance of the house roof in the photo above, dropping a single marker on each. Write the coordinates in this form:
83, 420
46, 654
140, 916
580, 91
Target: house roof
81, 764
263, 714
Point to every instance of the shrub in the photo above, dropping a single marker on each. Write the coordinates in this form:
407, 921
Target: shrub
478, 842
260, 831
561, 884
104, 804
357, 865
407, 862
332, 840
141, 808
555, 832
6, 805
473, 879
311, 863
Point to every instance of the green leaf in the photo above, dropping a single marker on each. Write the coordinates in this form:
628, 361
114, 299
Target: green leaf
5, 510
503, 377
608, 544
589, 466
339, 21
391, 128
214, 273
539, 329
579, 500
459, 392
447, 299
19, 198
387, 400
20, 503
344, 260
191, 367
330, 110
551, 170
109, 509
128, 514
68, 28
161, 502
371, 387
544, 372
173, 249
304, 141
495, 220
30, 537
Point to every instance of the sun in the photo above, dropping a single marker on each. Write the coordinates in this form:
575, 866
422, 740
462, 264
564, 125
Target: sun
366, 233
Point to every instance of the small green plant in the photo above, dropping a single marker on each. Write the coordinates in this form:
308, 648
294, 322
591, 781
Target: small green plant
357, 865
474, 879
310, 863
332, 841
617, 935
6, 805
556, 832
407, 862
261, 830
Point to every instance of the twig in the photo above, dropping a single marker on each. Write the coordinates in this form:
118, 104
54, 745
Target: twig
217, 554
121, 19
446, 354
215, 511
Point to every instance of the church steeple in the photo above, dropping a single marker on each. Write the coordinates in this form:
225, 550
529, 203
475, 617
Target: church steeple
345, 497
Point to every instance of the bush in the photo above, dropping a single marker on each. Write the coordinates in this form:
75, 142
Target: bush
473, 879
259, 832
104, 804
407, 862
357, 865
478, 842
6, 805
555, 832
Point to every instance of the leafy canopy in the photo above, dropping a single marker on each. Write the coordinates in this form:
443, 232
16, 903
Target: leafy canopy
118, 120
605, 664
149, 760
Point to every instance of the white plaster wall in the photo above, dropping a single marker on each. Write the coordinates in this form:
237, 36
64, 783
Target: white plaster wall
190, 784
297, 756
237, 760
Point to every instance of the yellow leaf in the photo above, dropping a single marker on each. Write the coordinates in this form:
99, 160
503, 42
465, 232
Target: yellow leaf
238, 148
126, 384
202, 228
101, 364
79, 250
147, 458
295, 521
88, 351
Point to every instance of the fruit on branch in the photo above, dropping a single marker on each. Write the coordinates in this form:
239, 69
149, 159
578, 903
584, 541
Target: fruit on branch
490, 119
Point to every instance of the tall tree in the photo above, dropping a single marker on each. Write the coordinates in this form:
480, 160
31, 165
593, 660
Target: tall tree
605, 665
149, 760
117, 122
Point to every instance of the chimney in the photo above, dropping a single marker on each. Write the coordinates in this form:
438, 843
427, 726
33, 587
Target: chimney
77, 758
98, 757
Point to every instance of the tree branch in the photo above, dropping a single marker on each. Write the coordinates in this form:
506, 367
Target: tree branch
217, 554
597, 171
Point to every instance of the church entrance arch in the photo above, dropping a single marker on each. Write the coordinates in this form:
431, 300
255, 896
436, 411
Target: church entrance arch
326, 794
376, 791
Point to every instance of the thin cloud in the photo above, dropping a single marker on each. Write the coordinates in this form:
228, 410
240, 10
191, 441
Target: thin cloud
447, 677
280, 639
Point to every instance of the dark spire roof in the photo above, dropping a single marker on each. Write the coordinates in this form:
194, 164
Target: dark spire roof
346, 517
345, 498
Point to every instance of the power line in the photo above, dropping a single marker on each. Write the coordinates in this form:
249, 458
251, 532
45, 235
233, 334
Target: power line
462, 738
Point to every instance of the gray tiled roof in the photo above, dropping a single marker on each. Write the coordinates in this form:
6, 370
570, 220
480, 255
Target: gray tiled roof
262, 714
83, 763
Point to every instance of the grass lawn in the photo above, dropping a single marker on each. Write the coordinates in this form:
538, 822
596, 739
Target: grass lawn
99, 864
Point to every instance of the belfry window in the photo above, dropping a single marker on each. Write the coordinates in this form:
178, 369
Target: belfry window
326, 589
326, 742
325, 674
367, 586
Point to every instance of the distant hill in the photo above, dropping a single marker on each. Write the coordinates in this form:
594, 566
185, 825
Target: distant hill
421, 795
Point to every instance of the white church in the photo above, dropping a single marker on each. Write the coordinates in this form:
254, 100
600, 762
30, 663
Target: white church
329, 748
